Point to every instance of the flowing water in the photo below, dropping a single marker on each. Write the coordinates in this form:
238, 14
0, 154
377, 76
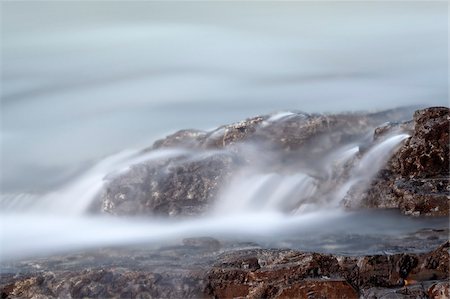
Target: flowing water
258, 206
85, 86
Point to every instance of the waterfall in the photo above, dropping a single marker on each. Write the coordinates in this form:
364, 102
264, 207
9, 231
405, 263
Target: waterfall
369, 165
265, 192
300, 192
248, 191
265, 203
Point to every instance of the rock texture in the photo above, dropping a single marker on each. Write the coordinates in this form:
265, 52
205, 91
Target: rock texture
186, 185
416, 179
290, 131
283, 273
199, 270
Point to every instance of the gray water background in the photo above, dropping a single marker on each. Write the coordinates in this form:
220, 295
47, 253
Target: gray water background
83, 80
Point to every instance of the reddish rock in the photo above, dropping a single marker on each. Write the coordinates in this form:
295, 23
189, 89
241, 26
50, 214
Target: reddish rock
440, 290
252, 273
326, 289
427, 152
416, 179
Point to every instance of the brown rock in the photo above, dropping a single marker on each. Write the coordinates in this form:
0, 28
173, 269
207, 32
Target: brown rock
416, 179
440, 290
186, 185
326, 289
183, 139
252, 273
231, 134
176, 186
433, 265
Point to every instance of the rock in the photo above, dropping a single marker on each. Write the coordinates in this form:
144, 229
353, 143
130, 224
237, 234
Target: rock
297, 131
416, 179
184, 138
275, 274
188, 184
427, 152
231, 134
207, 243
288, 131
428, 197
189, 271
171, 187
433, 265
440, 290
411, 292
104, 283
333, 289
283, 273
390, 127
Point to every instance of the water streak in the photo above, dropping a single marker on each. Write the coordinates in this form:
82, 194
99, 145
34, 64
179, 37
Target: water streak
254, 203
76, 197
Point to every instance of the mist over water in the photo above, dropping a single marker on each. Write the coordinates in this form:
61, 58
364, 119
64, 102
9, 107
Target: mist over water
86, 86
255, 206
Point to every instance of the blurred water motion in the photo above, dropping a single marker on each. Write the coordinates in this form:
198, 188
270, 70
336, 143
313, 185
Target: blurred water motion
82, 80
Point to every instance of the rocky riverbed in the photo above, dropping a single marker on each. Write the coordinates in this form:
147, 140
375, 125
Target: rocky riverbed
397, 159
207, 268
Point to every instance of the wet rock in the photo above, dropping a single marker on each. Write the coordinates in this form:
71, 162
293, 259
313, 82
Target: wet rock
293, 131
288, 131
379, 270
101, 283
171, 187
427, 153
391, 127
231, 134
416, 179
188, 271
333, 289
275, 274
440, 290
282, 273
433, 265
412, 292
428, 197
184, 139
203, 243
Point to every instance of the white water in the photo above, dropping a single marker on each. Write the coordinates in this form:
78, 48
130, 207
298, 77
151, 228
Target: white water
252, 204
77, 196
26, 235
265, 192
369, 165
301, 192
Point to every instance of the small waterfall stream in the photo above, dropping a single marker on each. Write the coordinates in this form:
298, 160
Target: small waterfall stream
298, 192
